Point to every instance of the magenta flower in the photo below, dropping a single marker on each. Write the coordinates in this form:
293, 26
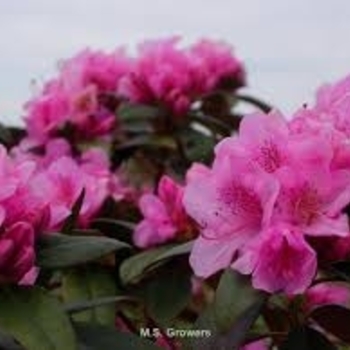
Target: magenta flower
58, 185
74, 96
313, 200
330, 112
18, 201
266, 143
17, 255
45, 114
54, 181
95, 68
231, 206
281, 261
169, 76
261, 142
325, 294
162, 75
164, 215
256, 345
268, 188
218, 67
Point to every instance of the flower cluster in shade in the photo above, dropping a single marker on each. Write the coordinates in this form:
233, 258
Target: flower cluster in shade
275, 193
75, 97
164, 217
37, 195
167, 75
85, 94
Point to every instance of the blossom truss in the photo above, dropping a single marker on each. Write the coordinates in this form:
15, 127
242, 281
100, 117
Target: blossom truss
269, 190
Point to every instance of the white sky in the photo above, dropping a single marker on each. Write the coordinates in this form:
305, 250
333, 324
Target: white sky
289, 47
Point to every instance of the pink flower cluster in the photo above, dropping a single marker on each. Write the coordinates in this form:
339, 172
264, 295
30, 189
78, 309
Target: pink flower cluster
271, 190
327, 294
74, 97
61, 178
162, 74
330, 113
164, 215
37, 195
22, 214
169, 76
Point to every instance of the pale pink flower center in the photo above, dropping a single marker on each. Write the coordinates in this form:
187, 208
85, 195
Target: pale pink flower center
269, 156
242, 201
306, 204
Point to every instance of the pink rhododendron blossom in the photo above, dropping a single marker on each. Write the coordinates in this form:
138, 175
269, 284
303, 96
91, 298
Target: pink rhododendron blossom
162, 75
167, 75
95, 68
256, 345
167, 343
45, 114
74, 96
17, 257
330, 111
217, 65
281, 261
232, 207
55, 181
268, 187
327, 293
266, 144
59, 186
333, 104
312, 201
22, 216
164, 215
18, 200
196, 171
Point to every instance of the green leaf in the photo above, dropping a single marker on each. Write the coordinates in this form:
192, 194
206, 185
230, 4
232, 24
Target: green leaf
5, 135
35, 319
126, 225
334, 319
8, 343
119, 229
87, 284
199, 147
96, 337
72, 219
306, 338
174, 251
167, 294
244, 322
149, 143
152, 141
277, 320
59, 251
80, 306
129, 112
234, 337
255, 102
205, 321
231, 298
132, 269
213, 124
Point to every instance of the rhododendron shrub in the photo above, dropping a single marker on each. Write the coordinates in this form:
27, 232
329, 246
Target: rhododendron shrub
140, 208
